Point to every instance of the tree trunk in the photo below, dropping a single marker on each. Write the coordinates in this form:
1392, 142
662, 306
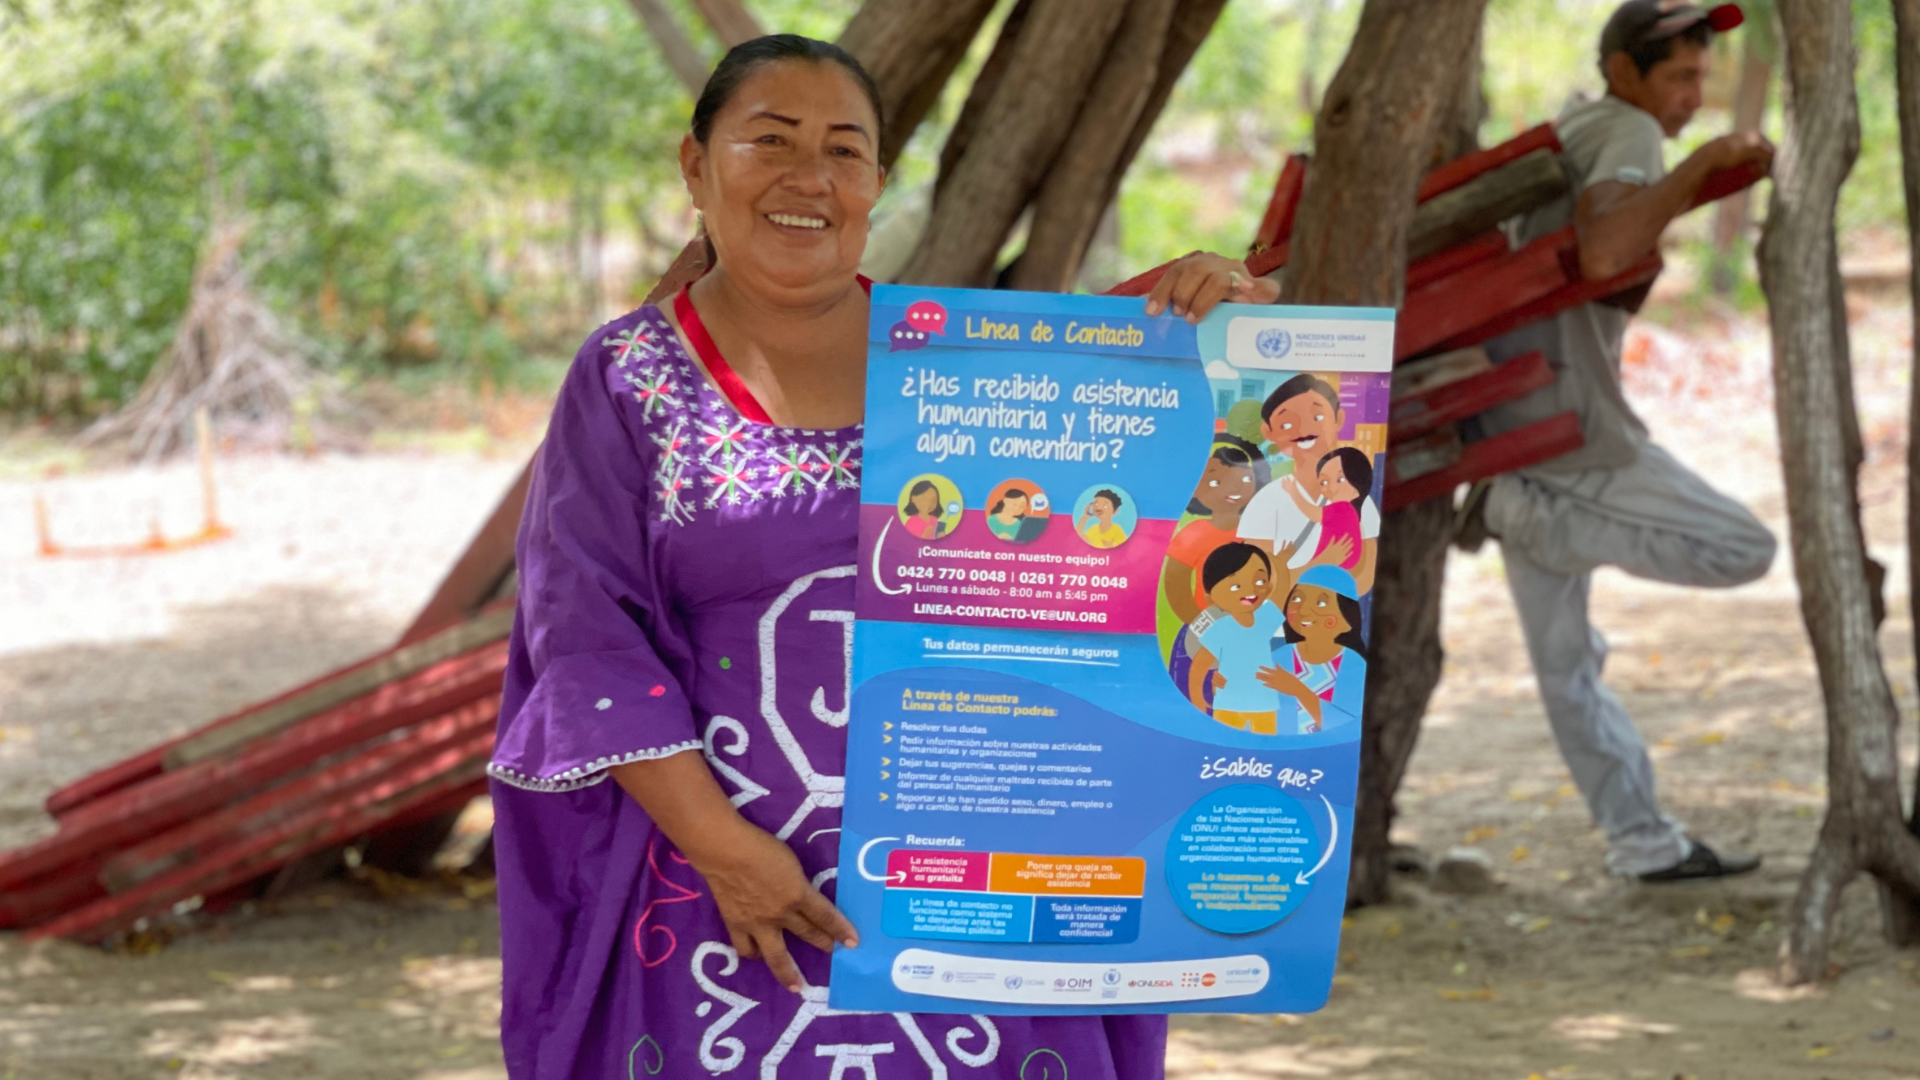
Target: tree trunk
1069, 206
674, 46
1032, 106
1730, 219
1799, 269
1384, 114
911, 47
1902, 909
1371, 142
732, 23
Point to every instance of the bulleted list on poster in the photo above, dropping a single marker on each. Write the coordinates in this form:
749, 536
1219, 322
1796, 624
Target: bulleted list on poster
1109, 654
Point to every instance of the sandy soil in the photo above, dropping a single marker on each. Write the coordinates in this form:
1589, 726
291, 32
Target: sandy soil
1559, 973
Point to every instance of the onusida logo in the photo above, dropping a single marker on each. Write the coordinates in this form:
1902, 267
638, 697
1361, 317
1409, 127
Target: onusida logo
1274, 344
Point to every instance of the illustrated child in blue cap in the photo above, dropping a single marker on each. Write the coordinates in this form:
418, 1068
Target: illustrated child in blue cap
1321, 665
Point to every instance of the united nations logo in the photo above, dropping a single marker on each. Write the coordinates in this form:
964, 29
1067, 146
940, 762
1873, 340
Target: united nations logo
1274, 343
1013, 982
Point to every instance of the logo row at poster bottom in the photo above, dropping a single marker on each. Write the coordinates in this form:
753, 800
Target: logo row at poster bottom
1036, 982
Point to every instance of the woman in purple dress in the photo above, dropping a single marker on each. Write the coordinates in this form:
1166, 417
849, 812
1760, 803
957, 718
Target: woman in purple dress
685, 629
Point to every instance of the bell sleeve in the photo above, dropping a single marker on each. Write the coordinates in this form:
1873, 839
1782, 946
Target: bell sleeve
591, 680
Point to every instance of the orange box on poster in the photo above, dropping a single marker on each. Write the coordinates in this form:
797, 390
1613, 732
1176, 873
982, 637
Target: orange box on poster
1076, 875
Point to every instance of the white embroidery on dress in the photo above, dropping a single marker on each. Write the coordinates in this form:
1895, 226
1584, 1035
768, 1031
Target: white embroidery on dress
822, 790
985, 1056
587, 775
836, 717
852, 1056
749, 790
813, 1006
738, 1005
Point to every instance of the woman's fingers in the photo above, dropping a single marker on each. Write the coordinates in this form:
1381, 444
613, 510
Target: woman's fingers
774, 948
1212, 289
1163, 290
819, 911
743, 944
805, 929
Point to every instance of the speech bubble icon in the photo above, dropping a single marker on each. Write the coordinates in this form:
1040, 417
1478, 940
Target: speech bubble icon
927, 316
904, 338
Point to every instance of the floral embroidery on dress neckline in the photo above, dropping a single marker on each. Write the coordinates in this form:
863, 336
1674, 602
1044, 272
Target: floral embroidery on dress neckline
710, 455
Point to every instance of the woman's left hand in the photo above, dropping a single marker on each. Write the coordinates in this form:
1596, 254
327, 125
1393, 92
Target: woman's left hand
1194, 285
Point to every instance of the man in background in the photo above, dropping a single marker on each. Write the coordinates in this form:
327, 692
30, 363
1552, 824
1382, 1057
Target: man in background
1619, 500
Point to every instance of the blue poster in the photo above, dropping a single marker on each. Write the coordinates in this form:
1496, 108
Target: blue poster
1110, 650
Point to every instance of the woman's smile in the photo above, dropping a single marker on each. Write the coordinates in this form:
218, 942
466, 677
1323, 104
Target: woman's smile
806, 222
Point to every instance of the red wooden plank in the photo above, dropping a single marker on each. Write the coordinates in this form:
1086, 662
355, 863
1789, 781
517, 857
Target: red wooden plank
1575, 292
1534, 443
1414, 416
1438, 311
477, 574
454, 769
1441, 264
204, 835
44, 897
1277, 224
151, 763
166, 800
1467, 166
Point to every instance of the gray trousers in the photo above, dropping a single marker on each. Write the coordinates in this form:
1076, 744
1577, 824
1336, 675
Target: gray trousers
1654, 519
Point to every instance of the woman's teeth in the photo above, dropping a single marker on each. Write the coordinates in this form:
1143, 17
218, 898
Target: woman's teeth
797, 221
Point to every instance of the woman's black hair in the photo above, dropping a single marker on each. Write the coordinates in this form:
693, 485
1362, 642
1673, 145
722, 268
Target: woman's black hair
1010, 493
1349, 610
1358, 469
742, 59
1227, 560
1293, 388
1231, 454
1111, 496
919, 489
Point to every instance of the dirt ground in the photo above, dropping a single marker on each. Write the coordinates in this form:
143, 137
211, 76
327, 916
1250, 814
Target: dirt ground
1561, 972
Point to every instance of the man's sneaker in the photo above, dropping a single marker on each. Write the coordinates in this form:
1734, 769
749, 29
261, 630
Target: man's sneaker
1702, 864
1470, 520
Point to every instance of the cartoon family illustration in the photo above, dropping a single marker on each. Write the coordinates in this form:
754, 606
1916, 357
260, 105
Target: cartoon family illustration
1266, 579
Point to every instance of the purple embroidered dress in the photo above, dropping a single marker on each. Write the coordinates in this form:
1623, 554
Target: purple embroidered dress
686, 582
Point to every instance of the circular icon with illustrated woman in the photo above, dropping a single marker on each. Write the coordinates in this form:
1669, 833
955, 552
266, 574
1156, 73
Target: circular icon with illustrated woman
1017, 511
929, 506
1105, 515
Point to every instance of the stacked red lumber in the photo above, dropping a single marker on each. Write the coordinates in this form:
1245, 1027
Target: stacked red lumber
1465, 285
403, 734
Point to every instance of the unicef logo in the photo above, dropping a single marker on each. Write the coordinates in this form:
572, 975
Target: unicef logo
1273, 344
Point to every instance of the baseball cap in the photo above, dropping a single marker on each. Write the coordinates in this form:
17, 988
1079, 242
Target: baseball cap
1640, 22
1330, 577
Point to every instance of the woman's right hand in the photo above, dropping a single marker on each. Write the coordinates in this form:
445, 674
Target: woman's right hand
763, 894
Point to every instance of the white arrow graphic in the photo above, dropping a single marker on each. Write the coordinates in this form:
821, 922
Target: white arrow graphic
878, 546
860, 861
1305, 877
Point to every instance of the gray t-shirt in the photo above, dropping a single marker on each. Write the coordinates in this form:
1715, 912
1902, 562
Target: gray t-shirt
1602, 140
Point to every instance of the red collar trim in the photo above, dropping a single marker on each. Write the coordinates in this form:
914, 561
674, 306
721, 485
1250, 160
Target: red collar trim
728, 380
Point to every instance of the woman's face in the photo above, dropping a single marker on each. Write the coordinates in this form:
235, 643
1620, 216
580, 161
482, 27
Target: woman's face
1101, 509
1314, 613
927, 503
1333, 482
1243, 590
1223, 486
787, 178
1013, 506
